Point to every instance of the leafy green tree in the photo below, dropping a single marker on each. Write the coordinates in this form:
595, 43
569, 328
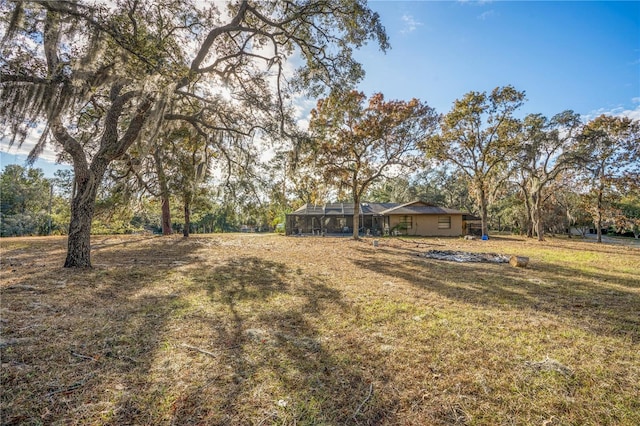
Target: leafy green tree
612, 144
399, 189
64, 183
24, 201
627, 214
278, 186
438, 186
508, 211
305, 182
101, 75
453, 188
355, 143
547, 148
193, 161
479, 136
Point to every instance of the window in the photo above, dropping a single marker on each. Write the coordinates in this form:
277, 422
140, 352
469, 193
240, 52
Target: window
406, 222
444, 222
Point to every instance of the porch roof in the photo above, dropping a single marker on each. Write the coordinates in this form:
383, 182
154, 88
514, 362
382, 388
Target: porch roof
342, 209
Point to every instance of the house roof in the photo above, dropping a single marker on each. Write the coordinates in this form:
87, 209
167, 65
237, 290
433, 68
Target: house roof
418, 208
346, 209
340, 209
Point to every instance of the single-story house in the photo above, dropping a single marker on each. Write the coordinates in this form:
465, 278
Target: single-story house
414, 218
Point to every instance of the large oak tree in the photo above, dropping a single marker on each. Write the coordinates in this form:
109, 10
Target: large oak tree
479, 136
356, 142
99, 75
613, 146
548, 147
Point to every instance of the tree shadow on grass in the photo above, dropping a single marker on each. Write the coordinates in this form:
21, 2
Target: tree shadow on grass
79, 341
583, 298
122, 343
278, 367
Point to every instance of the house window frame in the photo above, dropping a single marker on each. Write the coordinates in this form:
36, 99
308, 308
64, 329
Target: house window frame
444, 222
407, 221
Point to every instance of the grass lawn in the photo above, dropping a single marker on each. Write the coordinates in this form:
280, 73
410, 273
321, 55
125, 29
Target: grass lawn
249, 329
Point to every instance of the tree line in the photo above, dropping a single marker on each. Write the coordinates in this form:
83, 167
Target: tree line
168, 103
551, 175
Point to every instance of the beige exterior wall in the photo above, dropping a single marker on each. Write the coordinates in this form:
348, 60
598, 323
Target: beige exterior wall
427, 225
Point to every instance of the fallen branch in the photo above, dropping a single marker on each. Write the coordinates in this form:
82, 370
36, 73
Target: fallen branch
364, 402
84, 356
72, 387
22, 287
202, 351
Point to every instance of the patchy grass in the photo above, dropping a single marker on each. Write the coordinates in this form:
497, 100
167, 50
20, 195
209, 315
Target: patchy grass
272, 330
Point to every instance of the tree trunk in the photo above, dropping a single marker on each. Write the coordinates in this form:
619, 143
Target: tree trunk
599, 215
166, 215
89, 177
528, 208
482, 199
356, 217
164, 192
82, 209
536, 215
527, 205
187, 216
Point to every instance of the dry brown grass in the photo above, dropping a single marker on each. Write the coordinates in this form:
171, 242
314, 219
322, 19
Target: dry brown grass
271, 330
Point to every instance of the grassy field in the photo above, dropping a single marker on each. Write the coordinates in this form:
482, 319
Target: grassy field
271, 330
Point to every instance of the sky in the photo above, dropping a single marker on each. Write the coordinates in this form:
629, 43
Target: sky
582, 56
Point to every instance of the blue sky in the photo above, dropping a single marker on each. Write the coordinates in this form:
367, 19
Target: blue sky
583, 56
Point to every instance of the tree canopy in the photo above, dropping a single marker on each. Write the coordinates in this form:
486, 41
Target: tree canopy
612, 162
99, 75
355, 142
479, 136
547, 148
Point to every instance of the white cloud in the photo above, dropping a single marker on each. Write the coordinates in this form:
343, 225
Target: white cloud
486, 15
636, 100
475, 2
48, 154
410, 24
633, 114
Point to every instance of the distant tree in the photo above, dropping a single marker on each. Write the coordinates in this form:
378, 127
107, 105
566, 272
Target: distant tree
627, 214
24, 201
100, 75
151, 167
355, 142
437, 186
508, 211
454, 187
193, 159
612, 144
399, 189
64, 183
548, 148
479, 136
279, 181
303, 179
